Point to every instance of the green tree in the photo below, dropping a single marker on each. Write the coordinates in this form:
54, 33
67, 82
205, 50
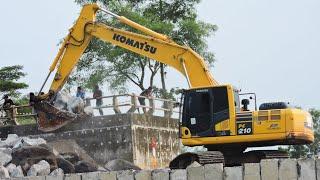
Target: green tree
104, 62
9, 75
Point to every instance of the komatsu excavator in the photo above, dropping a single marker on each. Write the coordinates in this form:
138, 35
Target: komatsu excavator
211, 113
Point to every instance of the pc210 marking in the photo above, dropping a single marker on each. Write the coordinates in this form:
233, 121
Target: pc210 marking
244, 128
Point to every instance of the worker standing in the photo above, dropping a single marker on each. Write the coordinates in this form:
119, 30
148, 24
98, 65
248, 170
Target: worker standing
7, 106
142, 100
97, 94
80, 93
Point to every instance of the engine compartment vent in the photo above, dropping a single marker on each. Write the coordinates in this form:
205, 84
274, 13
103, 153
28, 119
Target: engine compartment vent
274, 105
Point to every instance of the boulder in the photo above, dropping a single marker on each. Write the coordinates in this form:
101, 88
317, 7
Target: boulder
42, 168
57, 172
11, 140
10, 167
5, 156
17, 172
26, 156
65, 165
4, 172
32, 142
120, 164
83, 166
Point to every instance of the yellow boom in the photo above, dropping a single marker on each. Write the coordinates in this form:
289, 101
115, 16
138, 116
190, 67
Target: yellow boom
152, 45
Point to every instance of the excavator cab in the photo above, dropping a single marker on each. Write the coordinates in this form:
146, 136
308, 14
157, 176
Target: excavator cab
204, 108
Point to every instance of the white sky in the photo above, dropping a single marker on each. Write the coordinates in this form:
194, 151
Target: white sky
270, 47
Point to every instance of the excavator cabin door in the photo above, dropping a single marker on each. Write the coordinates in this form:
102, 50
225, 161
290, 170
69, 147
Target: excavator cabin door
203, 108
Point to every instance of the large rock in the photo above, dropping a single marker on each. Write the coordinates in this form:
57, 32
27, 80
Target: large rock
65, 165
40, 169
82, 167
17, 172
120, 164
57, 172
11, 140
26, 156
4, 172
10, 167
26, 141
5, 156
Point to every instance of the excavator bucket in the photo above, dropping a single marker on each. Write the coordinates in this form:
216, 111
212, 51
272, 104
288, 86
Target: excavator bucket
51, 118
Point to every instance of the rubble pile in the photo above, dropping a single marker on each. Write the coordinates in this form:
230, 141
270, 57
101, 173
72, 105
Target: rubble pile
24, 156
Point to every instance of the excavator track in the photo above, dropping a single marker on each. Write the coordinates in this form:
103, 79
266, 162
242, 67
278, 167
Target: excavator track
182, 161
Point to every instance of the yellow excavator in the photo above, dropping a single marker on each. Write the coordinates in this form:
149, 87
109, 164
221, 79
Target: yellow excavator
211, 115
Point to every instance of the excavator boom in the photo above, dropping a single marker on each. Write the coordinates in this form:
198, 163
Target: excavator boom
150, 44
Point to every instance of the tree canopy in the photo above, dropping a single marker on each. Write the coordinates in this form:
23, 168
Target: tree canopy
103, 62
9, 75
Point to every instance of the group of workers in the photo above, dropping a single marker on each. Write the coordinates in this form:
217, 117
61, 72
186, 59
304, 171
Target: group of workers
97, 94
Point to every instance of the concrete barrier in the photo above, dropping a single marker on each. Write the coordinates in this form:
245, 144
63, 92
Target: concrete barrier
272, 169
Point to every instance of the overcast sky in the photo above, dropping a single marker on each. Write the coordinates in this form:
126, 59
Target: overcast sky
270, 47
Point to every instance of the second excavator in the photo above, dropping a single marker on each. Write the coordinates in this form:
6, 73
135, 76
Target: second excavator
211, 113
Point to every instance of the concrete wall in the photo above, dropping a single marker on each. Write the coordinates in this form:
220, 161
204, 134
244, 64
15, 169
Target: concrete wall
289, 169
148, 141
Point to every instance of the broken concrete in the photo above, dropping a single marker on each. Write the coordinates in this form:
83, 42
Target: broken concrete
42, 168
5, 156
4, 172
136, 138
17, 172
57, 172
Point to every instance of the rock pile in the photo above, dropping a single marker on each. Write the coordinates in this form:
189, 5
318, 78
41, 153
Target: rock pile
24, 156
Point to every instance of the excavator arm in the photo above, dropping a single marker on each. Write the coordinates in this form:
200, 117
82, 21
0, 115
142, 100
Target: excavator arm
151, 44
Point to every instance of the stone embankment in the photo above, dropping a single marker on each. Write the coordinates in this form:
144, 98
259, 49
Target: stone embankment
286, 169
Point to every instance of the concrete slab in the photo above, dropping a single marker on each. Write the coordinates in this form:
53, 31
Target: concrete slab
61, 177
318, 168
288, 169
251, 171
108, 175
161, 174
307, 169
125, 175
195, 173
178, 174
213, 171
91, 176
269, 169
143, 175
233, 173
72, 177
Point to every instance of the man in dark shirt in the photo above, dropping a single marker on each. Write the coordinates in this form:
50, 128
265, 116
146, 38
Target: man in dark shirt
8, 103
146, 93
97, 94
